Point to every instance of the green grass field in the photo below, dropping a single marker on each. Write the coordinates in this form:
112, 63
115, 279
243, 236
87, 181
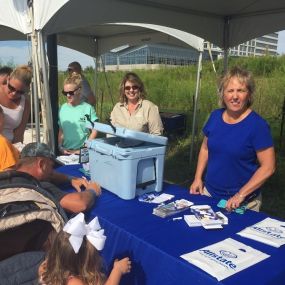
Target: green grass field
173, 89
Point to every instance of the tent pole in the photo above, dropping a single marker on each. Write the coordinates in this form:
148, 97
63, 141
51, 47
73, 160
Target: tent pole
107, 81
95, 81
211, 57
36, 87
46, 93
35, 101
35, 73
195, 105
227, 21
53, 84
226, 60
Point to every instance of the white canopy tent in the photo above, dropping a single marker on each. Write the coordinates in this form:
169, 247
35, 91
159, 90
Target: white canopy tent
222, 22
94, 40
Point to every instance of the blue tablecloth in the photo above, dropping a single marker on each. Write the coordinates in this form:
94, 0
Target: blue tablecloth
155, 244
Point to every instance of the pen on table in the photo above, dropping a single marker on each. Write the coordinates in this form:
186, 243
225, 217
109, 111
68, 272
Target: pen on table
177, 218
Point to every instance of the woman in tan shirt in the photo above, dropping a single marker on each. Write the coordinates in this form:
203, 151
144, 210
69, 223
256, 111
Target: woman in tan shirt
134, 111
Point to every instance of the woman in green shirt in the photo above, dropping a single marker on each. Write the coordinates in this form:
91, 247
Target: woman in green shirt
73, 117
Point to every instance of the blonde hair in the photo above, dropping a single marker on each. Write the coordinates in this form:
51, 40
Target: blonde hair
62, 262
244, 77
22, 73
134, 78
75, 79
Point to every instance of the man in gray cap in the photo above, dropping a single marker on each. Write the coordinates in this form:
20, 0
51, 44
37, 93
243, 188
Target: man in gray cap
87, 94
37, 160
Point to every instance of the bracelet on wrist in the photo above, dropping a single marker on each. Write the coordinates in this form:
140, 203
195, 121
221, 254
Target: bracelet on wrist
240, 195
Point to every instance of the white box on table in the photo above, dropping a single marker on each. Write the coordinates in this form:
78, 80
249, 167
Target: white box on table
127, 171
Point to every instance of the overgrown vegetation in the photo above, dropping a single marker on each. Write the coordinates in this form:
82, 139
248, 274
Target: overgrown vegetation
173, 89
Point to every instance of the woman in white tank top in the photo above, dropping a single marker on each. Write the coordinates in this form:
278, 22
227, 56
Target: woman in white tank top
15, 105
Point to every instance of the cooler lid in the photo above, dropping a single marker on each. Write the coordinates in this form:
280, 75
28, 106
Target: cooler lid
130, 134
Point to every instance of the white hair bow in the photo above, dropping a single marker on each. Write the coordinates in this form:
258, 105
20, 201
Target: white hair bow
77, 228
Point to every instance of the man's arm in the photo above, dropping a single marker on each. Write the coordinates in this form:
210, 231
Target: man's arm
58, 178
78, 201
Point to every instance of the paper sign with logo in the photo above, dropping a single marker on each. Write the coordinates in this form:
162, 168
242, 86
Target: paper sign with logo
225, 258
268, 231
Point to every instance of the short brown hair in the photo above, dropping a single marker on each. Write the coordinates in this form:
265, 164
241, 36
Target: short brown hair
243, 76
75, 65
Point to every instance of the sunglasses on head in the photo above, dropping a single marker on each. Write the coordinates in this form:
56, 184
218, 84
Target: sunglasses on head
70, 93
14, 90
134, 87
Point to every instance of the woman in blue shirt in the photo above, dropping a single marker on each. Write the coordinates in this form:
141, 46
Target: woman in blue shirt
237, 148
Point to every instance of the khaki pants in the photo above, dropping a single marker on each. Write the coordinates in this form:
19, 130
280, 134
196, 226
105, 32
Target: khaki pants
253, 205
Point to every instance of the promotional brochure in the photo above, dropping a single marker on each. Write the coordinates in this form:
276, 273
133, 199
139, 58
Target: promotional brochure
172, 208
207, 217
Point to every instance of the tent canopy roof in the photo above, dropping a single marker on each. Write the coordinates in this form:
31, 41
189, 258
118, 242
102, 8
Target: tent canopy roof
222, 22
95, 40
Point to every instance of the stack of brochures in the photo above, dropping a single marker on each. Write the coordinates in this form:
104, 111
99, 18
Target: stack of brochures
172, 208
155, 197
207, 217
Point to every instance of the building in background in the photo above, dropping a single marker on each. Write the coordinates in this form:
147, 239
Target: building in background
149, 56
265, 45
152, 56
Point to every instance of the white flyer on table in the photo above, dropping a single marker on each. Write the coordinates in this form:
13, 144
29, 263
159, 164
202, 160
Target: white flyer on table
225, 258
68, 159
268, 231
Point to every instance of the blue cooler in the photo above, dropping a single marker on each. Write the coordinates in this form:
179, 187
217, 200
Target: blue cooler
126, 162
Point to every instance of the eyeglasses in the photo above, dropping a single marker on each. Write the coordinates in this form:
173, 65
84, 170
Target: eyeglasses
134, 87
70, 93
14, 90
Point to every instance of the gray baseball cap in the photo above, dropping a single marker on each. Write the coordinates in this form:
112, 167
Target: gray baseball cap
38, 150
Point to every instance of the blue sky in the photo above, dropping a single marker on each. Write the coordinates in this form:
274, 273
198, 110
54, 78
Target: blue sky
18, 53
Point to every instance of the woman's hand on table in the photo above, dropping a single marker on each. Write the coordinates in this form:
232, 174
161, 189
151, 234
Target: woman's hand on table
196, 187
235, 202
